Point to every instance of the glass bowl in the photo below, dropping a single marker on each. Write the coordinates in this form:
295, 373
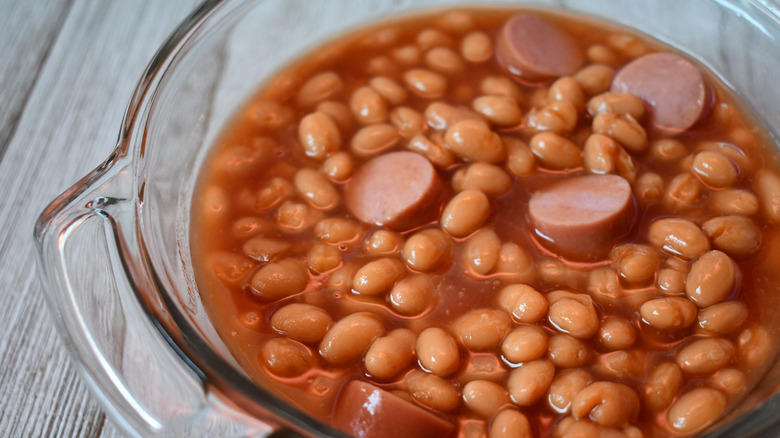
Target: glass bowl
114, 252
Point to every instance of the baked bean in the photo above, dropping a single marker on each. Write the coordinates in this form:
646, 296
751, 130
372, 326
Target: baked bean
390, 354
407, 56
603, 155
715, 169
514, 264
595, 78
229, 268
425, 250
730, 380
567, 352
270, 116
573, 314
412, 295
476, 47
319, 136
319, 87
383, 242
250, 226
339, 166
523, 302
624, 128
480, 253
481, 329
735, 201
668, 150
337, 230
731, 151
465, 213
671, 281
559, 117
408, 121
425, 83
265, 248
555, 151
485, 397
340, 280
530, 381
349, 337
668, 313
569, 90
389, 89
723, 318
620, 365
601, 54
444, 60
442, 116
382, 66
241, 160
755, 347
628, 45
617, 103
520, 160
474, 141
705, 356
286, 358
649, 187
437, 154
735, 235
323, 258
368, 106
684, 190
277, 280
301, 322
438, 352
276, 191
712, 278
510, 423
678, 236
374, 139
634, 263
488, 178
339, 112
315, 188
616, 333
566, 385
604, 285
457, 22
377, 277
767, 185
501, 111
555, 273
432, 391
524, 344
662, 386
696, 409
430, 38
501, 86
609, 404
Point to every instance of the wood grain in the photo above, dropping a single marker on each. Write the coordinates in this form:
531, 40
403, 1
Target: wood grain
68, 71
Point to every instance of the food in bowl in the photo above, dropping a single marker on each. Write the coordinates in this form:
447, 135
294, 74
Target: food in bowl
493, 222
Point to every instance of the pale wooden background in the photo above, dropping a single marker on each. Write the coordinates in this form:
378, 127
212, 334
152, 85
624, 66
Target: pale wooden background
67, 71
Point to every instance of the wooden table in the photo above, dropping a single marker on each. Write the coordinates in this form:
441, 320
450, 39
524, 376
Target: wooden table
67, 71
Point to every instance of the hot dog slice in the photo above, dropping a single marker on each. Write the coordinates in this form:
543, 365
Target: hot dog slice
533, 49
395, 190
365, 411
671, 87
583, 217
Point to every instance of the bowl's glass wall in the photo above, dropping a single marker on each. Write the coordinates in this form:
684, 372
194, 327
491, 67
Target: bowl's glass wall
243, 42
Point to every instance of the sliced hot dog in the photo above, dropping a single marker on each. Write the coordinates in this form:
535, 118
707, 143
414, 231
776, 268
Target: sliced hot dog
671, 87
397, 190
583, 217
533, 49
365, 411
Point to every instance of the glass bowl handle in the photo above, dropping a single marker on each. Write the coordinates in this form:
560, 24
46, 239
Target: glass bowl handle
145, 388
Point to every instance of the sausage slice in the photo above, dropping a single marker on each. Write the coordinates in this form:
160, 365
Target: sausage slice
533, 49
671, 87
365, 411
583, 217
395, 190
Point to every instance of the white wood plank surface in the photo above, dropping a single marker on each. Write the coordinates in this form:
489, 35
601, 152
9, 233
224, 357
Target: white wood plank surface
67, 71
